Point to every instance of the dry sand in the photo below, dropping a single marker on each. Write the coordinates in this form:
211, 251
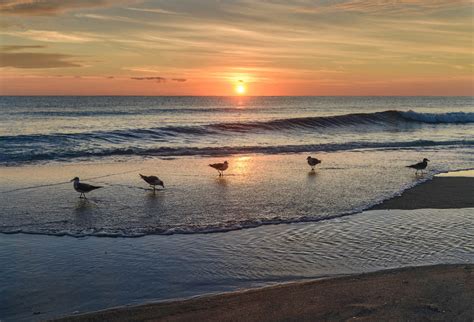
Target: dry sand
440, 293
439, 193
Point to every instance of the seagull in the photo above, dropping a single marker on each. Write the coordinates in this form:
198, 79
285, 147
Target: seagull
153, 181
312, 162
83, 188
420, 166
220, 167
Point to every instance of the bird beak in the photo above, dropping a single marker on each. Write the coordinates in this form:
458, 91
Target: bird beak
71, 180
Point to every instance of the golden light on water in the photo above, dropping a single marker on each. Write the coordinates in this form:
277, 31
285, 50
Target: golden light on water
240, 165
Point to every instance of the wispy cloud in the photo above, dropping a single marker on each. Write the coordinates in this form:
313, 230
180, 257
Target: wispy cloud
377, 7
20, 47
52, 36
110, 18
50, 7
154, 10
157, 79
37, 60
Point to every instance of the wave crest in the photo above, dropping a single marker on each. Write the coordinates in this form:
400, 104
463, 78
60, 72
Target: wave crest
439, 118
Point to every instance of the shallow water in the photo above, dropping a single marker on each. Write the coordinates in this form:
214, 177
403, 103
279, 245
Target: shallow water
256, 190
61, 275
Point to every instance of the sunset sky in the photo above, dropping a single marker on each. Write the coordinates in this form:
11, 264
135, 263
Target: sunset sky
211, 47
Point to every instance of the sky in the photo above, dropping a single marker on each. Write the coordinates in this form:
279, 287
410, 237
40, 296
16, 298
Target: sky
232, 47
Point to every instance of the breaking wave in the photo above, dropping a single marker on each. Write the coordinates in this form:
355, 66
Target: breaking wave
187, 140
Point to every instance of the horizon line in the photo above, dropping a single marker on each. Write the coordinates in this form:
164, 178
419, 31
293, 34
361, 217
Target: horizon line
235, 96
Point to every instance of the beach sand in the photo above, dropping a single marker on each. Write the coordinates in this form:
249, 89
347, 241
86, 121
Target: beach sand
443, 292
442, 192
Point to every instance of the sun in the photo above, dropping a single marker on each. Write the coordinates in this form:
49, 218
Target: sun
240, 89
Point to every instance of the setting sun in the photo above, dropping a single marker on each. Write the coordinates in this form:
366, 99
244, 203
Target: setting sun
240, 89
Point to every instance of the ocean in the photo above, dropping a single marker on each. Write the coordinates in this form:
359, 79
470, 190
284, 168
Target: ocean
364, 144
268, 220
67, 129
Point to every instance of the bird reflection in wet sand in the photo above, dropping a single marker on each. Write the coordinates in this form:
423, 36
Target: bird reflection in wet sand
83, 188
221, 181
312, 174
153, 181
83, 206
153, 200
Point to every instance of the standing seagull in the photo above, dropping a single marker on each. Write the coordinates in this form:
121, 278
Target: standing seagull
420, 166
220, 167
312, 162
83, 188
153, 181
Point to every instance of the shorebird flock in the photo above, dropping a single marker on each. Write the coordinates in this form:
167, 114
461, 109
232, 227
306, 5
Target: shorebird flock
154, 181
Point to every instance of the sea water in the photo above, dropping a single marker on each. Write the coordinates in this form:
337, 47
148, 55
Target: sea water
364, 143
269, 219
44, 129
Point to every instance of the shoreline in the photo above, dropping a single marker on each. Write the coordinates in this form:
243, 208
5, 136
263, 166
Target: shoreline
442, 192
448, 190
443, 292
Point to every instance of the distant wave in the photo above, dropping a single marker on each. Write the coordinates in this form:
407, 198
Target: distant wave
385, 118
148, 111
389, 116
348, 120
188, 140
378, 118
65, 155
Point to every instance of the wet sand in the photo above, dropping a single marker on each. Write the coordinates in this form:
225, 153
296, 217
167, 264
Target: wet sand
440, 193
441, 292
